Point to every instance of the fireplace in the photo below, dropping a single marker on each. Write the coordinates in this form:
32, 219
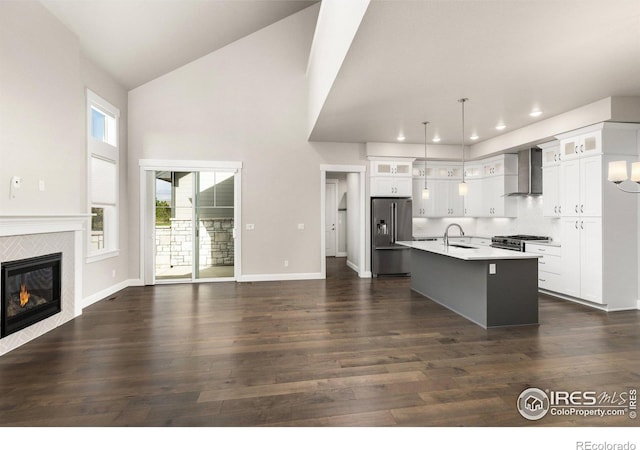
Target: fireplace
31, 291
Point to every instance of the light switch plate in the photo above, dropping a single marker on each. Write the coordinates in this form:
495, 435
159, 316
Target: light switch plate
492, 269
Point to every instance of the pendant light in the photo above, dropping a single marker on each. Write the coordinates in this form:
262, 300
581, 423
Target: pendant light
462, 187
425, 191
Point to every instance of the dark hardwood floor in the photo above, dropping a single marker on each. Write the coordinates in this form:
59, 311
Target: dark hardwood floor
338, 352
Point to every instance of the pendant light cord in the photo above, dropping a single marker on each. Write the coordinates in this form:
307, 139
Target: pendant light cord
425, 153
463, 100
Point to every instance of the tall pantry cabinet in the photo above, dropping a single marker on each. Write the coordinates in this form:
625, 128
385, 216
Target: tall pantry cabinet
599, 223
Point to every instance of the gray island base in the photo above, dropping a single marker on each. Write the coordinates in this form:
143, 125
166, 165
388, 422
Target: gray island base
491, 292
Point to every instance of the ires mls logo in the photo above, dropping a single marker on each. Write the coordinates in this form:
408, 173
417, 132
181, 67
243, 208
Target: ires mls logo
534, 403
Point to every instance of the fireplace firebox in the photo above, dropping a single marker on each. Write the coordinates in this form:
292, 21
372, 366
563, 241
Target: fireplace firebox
31, 291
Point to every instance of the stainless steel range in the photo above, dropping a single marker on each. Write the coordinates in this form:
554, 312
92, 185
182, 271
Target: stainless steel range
516, 242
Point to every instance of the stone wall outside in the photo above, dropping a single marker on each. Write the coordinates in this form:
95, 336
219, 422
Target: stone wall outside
174, 243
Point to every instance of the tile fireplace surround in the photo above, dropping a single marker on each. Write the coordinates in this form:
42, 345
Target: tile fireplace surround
29, 236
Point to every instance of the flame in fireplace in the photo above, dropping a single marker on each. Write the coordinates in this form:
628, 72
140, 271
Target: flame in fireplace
24, 295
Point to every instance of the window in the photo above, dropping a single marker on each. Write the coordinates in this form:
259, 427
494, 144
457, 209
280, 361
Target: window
102, 143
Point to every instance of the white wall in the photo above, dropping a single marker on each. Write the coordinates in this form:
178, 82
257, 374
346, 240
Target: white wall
353, 219
246, 102
43, 76
101, 276
337, 24
42, 131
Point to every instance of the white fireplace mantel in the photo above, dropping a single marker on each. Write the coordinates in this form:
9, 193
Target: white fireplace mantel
17, 225
38, 226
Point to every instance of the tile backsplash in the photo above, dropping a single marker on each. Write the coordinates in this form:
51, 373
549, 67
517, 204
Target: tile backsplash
529, 221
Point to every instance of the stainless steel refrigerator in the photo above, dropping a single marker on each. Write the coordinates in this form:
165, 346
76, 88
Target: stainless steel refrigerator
391, 221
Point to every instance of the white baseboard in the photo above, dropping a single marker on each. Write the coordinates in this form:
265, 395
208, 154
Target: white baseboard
356, 269
135, 282
281, 277
341, 254
100, 295
605, 308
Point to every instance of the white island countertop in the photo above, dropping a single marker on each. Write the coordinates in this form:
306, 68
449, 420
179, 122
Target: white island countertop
478, 252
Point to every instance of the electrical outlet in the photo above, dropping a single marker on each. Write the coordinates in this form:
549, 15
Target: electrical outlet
16, 183
300, 226
113, 273
492, 269
250, 226
286, 263
41, 185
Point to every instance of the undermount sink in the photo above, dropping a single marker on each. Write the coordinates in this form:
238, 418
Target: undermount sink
461, 246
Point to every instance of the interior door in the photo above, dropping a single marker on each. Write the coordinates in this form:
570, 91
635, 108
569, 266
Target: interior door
330, 217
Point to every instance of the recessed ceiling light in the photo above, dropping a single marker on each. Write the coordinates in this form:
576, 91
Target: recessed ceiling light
435, 139
535, 113
500, 126
474, 137
401, 137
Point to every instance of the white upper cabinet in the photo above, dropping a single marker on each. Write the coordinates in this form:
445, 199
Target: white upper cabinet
391, 187
391, 178
551, 155
598, 221
587, 144
551, 188
499, 178
442, 182
391, 168
551, 191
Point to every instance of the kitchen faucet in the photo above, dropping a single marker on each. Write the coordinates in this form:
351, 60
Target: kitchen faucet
446, 233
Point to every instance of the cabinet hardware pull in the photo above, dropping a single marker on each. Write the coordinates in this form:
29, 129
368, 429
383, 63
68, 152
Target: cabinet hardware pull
576, 208
542, 279
576, 224
581, 208
582, 225
541, 262
560, 209
555, 209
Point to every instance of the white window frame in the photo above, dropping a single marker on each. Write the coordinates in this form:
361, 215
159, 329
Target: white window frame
110, 153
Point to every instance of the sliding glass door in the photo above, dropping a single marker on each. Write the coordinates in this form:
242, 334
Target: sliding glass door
194, 225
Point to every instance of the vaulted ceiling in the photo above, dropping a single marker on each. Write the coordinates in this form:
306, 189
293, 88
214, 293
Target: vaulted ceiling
139, 40
410, 61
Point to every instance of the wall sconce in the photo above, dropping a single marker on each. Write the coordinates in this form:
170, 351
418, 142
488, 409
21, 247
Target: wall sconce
618, 173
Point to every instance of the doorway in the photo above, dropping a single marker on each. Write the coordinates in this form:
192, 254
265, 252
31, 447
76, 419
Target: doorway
351, 207
194, 225
190, 214
331, 225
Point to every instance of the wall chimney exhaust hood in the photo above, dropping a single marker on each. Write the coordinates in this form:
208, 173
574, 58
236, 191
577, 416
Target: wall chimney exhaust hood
529, 173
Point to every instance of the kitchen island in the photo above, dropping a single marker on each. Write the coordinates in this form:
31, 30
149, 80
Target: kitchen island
489, 286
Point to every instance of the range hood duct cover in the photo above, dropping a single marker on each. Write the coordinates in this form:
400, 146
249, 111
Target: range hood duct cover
529, 172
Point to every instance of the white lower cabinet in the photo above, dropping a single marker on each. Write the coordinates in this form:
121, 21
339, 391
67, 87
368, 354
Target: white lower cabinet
582, 258
549, 266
